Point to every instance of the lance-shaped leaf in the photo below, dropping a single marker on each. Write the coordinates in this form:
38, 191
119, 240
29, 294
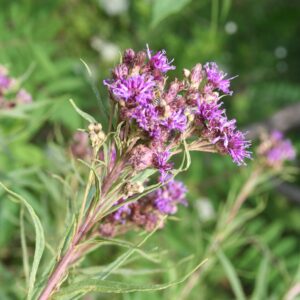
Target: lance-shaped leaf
101, 286
39, 239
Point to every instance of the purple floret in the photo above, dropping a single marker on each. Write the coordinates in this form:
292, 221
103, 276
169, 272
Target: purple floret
160, 161
216, 78
222, 132
177, 121
160, 62
281, 150
137, 89
167, 197
237, 147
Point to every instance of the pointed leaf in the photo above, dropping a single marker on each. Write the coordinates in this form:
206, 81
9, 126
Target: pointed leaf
39, 238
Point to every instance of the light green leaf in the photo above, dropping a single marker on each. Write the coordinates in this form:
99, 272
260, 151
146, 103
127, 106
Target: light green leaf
232, 275
164, 8
39, 239
96, 285
24, 246
261, 285
85, 115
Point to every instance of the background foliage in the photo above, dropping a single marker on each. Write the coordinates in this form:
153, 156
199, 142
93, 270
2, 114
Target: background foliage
44, 41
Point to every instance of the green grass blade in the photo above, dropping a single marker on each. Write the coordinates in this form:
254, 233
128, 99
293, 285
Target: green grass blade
231, 275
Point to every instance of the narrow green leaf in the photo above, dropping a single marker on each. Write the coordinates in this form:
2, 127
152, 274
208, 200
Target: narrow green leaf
161, 9
83, 114
95, 285
261, 284
225, 9
121, 259
231, 275
24, 246
39, 238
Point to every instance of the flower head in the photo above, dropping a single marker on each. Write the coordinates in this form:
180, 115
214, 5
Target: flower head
216, 78
167, 197
275, 149
159, 61
147, 212
136, 89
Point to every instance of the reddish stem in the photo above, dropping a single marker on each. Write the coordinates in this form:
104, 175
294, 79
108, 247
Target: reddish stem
70, 255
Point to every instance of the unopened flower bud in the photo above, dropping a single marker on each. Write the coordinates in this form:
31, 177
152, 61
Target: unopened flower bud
196, 75
132, 188
140, 58
186, 73
120, 71
141, 157
96, 134
128, 56
95, 127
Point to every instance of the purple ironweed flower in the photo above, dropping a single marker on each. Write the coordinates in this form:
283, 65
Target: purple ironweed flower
137, 89
167, 113
216, 78
120, 71
237, 147
177, 121
276, 149
159, 61
122, 213
147, 117
222, 132
160, 161
147, 212
167, 197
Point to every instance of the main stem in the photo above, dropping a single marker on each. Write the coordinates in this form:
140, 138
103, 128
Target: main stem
64, 262
67, 259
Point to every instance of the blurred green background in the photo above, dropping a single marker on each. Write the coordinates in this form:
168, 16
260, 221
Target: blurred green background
256, 40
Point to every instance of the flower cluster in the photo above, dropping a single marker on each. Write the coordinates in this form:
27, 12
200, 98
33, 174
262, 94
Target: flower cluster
10, 95
275, 149
147, 213
165, 114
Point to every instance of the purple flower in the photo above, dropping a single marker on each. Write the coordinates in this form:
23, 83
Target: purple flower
160, 62
216, 78
121, 214
137, 89
120, 71
280, 150
222, 132
167, 197
237, 147
160, 161
177, 121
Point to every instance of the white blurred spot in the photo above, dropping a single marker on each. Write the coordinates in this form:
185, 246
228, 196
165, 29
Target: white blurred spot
282, 66
107, 50
231, 27
205, 209
114, 7
280, 52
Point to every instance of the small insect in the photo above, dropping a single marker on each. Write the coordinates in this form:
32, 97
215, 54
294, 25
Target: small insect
157, 102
